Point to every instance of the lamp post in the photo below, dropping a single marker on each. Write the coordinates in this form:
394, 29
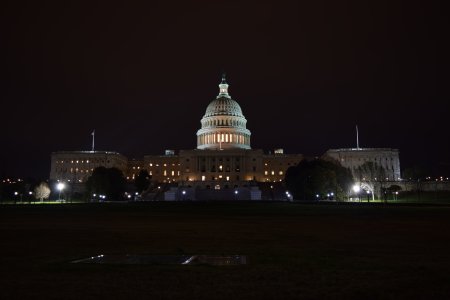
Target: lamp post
60, 186
357, 189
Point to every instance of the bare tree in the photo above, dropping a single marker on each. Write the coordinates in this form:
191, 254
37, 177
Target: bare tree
370, 174
42, 191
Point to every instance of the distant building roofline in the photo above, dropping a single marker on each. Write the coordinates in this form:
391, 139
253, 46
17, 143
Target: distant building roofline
361, 149
86, 152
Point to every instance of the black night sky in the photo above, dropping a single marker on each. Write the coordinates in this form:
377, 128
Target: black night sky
142, 74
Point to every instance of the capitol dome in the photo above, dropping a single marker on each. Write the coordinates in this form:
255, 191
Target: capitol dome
223, 125
223, 107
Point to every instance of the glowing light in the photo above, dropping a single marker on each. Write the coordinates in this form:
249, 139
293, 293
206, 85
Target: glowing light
60, 186
356, 188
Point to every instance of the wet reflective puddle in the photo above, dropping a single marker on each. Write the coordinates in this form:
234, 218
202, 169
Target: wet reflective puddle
129, 259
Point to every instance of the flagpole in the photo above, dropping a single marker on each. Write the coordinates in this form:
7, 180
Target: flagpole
357, 138
93, 141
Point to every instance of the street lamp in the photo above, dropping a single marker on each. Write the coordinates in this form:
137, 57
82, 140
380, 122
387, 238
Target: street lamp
60, 186
357, 189
16, 194
288, 195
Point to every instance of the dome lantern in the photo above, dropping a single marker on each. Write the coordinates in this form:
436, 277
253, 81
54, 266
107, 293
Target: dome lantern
223, 88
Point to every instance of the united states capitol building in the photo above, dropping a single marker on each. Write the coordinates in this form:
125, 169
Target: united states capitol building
223, 161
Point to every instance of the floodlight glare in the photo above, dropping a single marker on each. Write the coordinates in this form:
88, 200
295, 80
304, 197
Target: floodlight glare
60, 186
356, 188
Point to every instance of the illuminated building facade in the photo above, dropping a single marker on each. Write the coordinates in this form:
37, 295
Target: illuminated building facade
223, 159
77, 166
361, 162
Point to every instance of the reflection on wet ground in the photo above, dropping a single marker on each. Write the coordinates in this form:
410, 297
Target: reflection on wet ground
128, 259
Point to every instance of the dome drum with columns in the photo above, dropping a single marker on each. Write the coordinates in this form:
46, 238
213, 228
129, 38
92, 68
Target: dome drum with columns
223, 125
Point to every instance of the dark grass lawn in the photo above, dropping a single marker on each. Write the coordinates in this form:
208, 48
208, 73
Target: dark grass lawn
296, 251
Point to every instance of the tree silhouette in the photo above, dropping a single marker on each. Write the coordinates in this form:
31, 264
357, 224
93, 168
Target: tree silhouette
142, 181
318, 177
107, 181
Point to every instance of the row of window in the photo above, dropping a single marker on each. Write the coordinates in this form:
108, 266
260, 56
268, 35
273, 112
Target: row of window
157, 165
73, 170
82, 161
220, 177
214, 138
273, 172
223, 122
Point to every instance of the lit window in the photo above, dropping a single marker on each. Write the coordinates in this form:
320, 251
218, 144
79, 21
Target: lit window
266, 172
273, 172
151, 165
203, 178
280, 173
173, 173
228, 178
165, 172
